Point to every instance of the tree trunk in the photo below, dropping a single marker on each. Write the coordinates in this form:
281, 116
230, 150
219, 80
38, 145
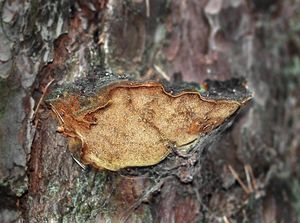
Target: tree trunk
250, 174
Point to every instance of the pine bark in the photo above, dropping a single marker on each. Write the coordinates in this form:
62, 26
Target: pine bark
59, 41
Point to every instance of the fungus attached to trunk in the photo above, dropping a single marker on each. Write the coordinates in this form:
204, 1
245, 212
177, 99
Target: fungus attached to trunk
127, 123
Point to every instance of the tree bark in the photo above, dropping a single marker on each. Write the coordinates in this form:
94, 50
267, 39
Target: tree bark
251, 173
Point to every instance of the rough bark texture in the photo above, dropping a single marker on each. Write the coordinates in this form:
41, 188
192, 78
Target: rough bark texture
194, 40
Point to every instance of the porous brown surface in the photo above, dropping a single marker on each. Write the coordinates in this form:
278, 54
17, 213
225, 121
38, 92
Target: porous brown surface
136, 124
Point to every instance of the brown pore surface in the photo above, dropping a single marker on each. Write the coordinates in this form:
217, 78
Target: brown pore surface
135, 124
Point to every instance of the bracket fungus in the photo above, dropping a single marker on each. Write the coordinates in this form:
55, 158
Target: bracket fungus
132, 124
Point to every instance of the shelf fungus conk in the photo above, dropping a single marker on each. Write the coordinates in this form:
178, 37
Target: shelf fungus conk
131, 124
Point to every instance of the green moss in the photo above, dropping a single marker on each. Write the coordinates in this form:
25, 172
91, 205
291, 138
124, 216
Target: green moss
88, 198
296, 193
147, 216
80, 200
21, 189
96, 58
293, 67
53, 189
4, 91
3, 183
